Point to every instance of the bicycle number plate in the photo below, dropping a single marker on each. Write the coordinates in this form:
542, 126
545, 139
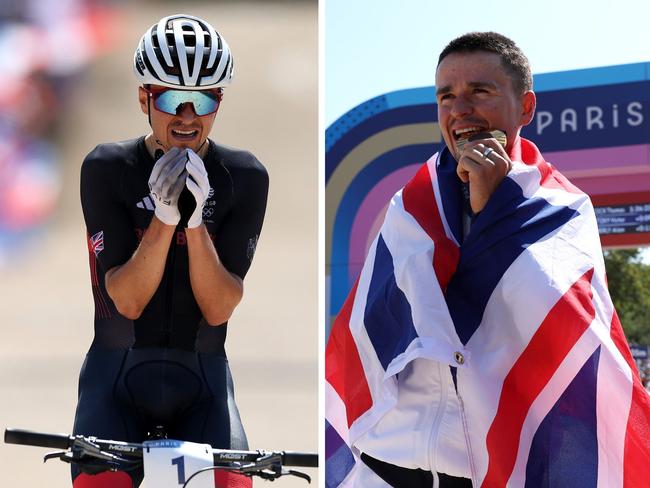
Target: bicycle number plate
169, 463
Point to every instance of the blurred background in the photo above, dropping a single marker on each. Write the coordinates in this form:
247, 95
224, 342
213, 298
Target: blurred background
67, 86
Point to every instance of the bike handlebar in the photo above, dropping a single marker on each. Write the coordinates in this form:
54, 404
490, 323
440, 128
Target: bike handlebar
64, 441
30, 438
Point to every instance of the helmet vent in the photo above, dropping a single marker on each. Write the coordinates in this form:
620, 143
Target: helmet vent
172, 54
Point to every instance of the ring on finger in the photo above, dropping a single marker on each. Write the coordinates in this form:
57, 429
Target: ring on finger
487, 152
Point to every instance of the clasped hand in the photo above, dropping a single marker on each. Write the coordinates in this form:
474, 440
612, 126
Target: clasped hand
173, 171
483, 164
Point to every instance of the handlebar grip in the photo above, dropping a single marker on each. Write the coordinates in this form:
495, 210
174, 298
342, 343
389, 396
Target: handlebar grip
303, 459
30, 438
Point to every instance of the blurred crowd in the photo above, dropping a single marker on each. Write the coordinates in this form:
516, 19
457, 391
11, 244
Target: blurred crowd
45, 47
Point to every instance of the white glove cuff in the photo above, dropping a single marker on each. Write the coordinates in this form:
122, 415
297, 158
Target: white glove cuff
167, 215
196, 218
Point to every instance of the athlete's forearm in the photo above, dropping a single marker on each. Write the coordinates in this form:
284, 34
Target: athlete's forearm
216, 290
132, 284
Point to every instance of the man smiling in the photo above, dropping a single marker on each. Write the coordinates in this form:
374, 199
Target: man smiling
173, 220
479, 346
478, 91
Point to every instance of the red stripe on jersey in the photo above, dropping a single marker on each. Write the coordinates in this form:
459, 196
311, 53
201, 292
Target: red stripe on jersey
92, 261
102, 310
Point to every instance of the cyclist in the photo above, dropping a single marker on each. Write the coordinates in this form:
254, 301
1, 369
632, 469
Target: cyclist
173, 220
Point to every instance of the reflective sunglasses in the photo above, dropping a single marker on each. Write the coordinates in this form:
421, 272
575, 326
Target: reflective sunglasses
170, 101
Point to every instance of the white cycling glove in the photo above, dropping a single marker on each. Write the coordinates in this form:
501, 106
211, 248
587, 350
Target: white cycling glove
166, 183
197, 182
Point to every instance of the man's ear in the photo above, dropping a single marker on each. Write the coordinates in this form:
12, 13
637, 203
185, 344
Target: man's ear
143, 95
529, 102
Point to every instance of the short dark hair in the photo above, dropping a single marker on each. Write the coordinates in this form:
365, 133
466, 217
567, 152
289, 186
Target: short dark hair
513, 59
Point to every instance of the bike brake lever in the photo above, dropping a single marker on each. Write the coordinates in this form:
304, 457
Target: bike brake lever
272, 463
54, 455
273, 475
300, 474
86, 464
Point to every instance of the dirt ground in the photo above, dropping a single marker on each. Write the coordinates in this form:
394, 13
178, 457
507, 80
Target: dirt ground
46, 305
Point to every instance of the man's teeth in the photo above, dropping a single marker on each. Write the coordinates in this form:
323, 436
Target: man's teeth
184, 132
466, 132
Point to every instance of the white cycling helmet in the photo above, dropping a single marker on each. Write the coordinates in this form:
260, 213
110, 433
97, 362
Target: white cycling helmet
183, 52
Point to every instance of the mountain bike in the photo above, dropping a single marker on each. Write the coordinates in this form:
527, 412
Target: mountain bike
167, 463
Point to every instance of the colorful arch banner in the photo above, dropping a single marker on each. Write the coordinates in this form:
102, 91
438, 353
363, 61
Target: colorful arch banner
593, 124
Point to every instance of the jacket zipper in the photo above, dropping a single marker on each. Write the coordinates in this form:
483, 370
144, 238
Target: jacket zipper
435, 428
468, 442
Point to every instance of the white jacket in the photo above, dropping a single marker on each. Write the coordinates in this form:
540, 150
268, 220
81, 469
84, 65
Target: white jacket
424, 430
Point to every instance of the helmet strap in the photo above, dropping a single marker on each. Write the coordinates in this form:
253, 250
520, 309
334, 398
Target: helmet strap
149, 108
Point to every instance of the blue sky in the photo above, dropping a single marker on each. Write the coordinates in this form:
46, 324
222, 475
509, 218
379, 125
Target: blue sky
377, 46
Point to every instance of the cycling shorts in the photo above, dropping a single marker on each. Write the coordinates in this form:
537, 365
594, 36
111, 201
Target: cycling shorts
127, 395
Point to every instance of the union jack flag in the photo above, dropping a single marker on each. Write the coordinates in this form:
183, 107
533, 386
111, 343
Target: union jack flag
518, 309
96, 242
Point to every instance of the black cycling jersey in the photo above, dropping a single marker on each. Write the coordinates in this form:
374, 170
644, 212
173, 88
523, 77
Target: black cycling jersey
117, 209
168, 368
